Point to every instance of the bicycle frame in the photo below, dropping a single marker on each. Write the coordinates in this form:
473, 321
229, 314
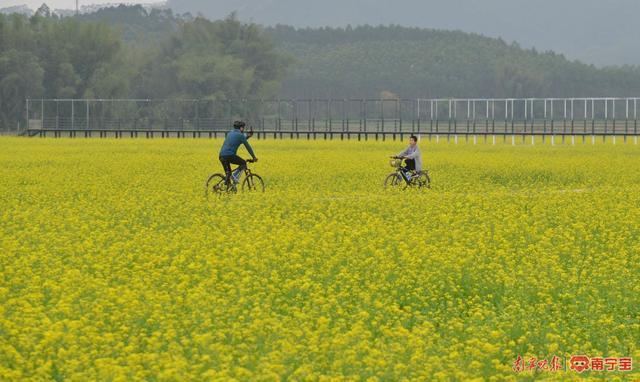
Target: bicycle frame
401, 171
247, 170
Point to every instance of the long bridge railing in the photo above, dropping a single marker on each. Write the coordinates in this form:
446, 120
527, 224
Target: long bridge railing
330, 118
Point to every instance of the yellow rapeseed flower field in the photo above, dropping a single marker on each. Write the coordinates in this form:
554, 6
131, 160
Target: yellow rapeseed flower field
114, 267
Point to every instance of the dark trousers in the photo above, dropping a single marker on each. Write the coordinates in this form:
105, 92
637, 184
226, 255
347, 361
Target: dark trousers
410, 164
228, 160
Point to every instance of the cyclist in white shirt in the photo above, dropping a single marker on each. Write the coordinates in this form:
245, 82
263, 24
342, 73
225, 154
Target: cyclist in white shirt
412, 156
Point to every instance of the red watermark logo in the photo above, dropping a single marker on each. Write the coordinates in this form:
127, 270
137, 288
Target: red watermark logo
552, 365
577, 363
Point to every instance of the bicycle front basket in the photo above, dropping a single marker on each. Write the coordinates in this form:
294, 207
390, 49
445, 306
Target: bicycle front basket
395, 163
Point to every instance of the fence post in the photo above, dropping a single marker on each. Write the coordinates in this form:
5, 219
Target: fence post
564, 121
626, 120
87, 124
613, 104
27, 120
197, 114
553, 122
382, 118
431, 119
364, 116
572, 116
513, 126
606, 119
532, 117
437, 120
635, 117
417, 103
399, 115
468, 114
473, 114
451, 106
553, 137
330, 120
593, 117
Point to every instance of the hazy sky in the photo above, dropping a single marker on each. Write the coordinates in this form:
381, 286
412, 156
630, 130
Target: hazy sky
59, 4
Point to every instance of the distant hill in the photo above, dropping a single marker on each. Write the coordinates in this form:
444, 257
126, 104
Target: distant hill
19, 9
84, 8
593, 31
142, 23
413, 62
409, 62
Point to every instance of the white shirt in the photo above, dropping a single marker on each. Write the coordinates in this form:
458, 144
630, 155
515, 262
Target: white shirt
413, 153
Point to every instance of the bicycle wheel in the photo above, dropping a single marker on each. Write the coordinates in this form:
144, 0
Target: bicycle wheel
395, 181
424, 179
253, 183
421, 181
216, 185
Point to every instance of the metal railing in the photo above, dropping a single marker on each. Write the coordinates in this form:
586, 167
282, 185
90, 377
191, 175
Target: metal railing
332, 117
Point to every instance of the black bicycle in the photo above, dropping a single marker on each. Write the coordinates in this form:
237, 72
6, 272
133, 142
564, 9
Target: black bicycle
402, 178
217, 183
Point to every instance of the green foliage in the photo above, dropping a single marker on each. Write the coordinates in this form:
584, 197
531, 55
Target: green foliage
48, 57
593, 31
127, 52
413, 62
215, 60
21, 76
135, 23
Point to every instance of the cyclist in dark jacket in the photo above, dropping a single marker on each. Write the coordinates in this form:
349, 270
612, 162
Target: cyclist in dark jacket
228, 153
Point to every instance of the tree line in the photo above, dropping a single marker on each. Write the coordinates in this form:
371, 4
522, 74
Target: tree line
128, 52
165, 57
417, 62
593, 31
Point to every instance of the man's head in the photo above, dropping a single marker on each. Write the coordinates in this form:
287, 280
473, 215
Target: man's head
413, 140
239, 125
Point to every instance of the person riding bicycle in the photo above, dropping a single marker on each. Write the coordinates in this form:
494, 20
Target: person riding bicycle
412, 156
228, 153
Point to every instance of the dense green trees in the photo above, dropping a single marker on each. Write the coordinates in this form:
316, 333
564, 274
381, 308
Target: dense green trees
128, 52
167, 57
214, 60
21, 76
47, 57
413, 62
135, 23
593, 31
